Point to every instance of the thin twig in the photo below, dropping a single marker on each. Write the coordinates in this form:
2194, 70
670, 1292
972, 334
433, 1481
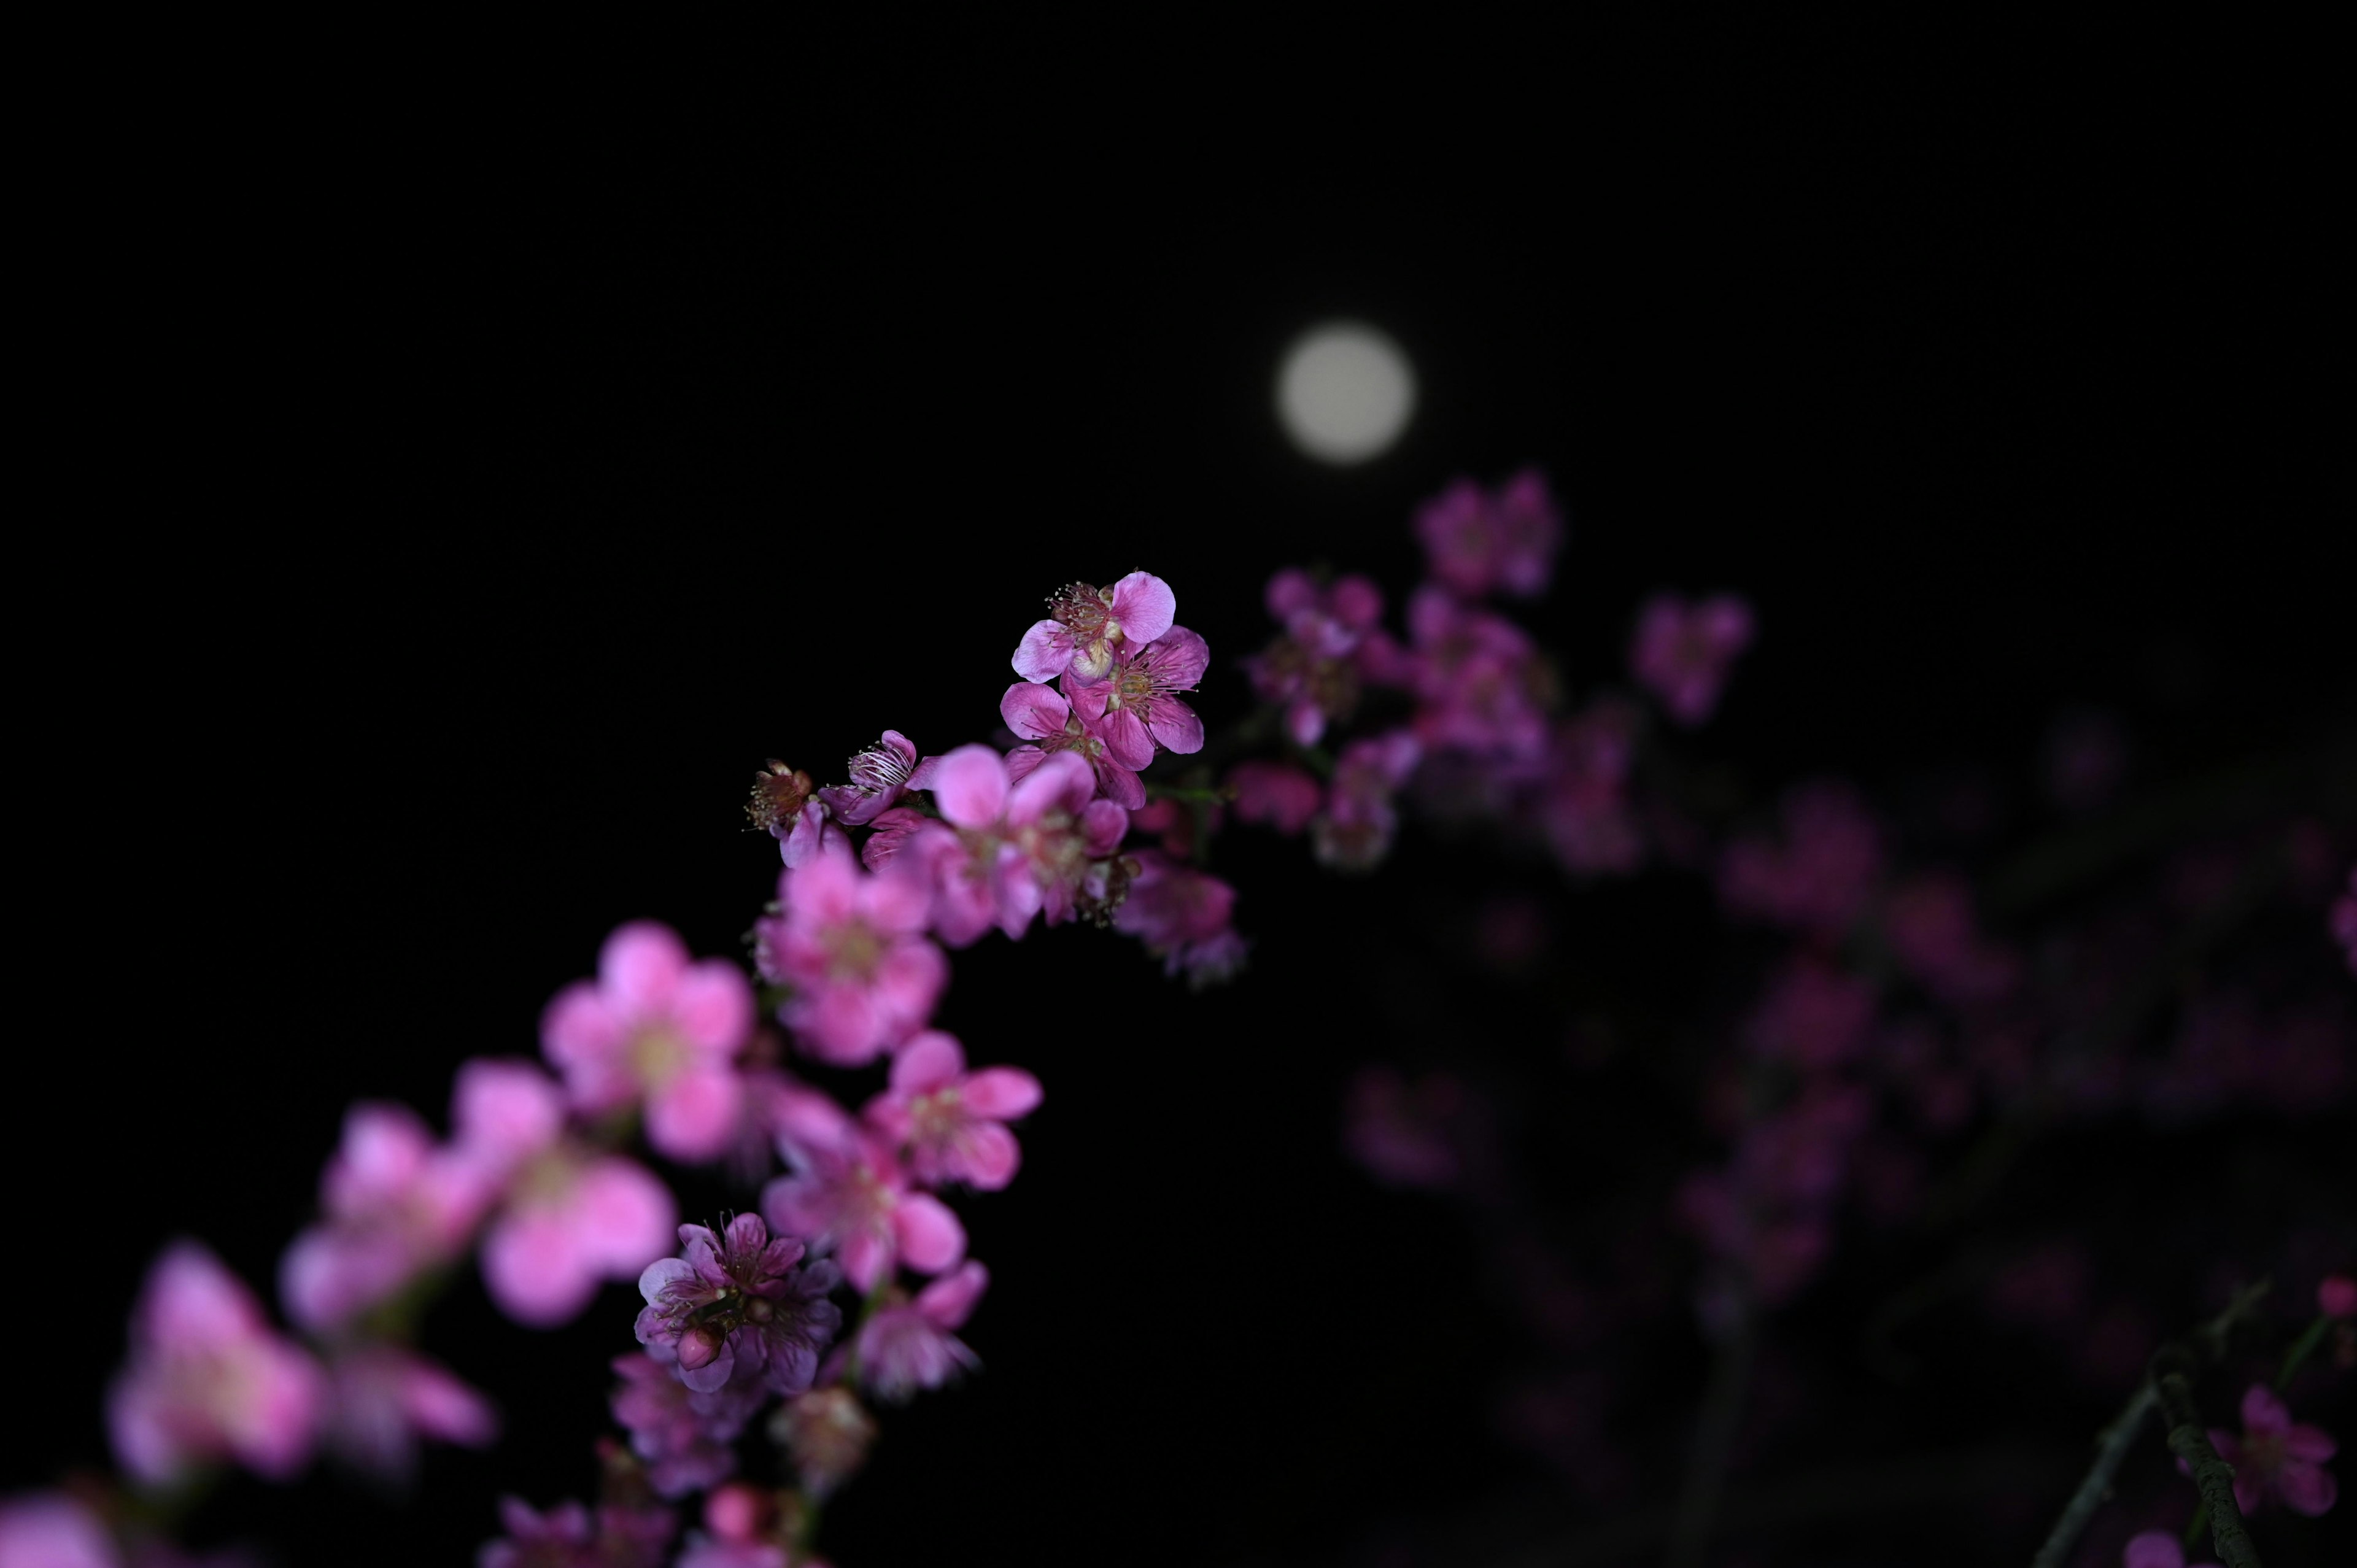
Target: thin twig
2189, 1441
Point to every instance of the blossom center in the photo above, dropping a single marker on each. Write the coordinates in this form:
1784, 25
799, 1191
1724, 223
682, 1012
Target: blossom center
657, 1055
854, 950
933, 1117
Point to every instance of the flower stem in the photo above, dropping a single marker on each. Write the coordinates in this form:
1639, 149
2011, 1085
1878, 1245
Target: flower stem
1714, 1440
2190, 1442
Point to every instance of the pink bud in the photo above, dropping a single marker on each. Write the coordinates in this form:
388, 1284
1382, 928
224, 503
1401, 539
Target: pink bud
699, 1348
732, 1512
2337, 1296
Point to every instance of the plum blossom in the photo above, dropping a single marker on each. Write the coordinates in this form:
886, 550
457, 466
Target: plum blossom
1681, 649
1502, 542
1354, 832
382, 1398
1013, 850
208, 1379
658, 1029
571, 1217
1182, 916
397, 1207
2156, 1549
1820, 875
951, 1123
737, 1307
851, 944
686, 1439
782, 806
569, 1536
1929, 924
1088, 627
1584, 810
1480, 685
1282, 797
856, 1200
1312, 672
908, 1345
50, 1530
1135, 706
2276, 1459
880, 775
1043, 717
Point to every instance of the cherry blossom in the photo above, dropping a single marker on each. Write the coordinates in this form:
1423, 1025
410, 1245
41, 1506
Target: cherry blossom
856, 1200
880, 775
742, 1306
1681, 649
1499, 541
1042, 716
851, 945
1088, 627
908, 1345
951, 1123
1273, 792
1135, 705
396, 1207
382, 1398
2277, 1458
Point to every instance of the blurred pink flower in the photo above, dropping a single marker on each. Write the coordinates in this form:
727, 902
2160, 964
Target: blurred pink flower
686, 1439
951, 1123
1817, 877
2156, 1549
2336, 1296
851, 944
1405, 1135
382, 1398
1182, 916
908, 1345
1584, 810
856, 1200
2274, 1457
50, 1530
208, 1379
1503, 541
1928, 922
1477, 679
1682, 650
1312, 671
1813, 1015
1284, 798
1354, 832
397, 1205
658, 1029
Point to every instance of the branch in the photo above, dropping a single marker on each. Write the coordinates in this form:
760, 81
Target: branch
2189, 1441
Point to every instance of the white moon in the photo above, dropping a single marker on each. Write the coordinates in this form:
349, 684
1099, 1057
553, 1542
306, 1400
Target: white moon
1344, 392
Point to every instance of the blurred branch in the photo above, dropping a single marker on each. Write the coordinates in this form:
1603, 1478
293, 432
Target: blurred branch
2210, 1346
1714, 1441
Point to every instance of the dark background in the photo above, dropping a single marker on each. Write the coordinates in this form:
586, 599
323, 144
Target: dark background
455, 489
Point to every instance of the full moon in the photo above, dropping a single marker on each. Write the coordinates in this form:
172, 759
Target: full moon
1344, 392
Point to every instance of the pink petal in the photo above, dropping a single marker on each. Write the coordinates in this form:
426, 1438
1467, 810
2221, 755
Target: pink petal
1105, 823
191, 1302
1145, 606
1174, 724
927, 1060
713, 1006
1180, 658
505, 1109
971, 787
693, 1118
1045, 652
2311, 1445
623, 1217
580, 1027
1124, 736
1001, 1093
2262, 1411
1022, 760
865, 1256
899, 898
1122, 787
640, 964
533, 1270
929, 1236
822, 891
1064, 779
2153, 1549
1288, 593
1035, 712
1357, 603
441, 1406
949, 1300
990, 1156
2307, 1489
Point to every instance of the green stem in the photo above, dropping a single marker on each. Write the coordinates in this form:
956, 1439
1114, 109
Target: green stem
2301, 1350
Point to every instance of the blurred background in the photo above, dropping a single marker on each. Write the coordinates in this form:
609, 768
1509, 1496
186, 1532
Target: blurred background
457, 488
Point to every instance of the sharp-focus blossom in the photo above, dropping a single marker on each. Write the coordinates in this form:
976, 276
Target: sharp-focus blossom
1013, 849
50, 1530
1135, 706
382, 1400
827, 1433
1682, 650
687, 1440
1043, 717
782, 806
2276, 1459
1503, 541
851, 944
571, 1217
1088, 627
1819, 876
1479, 684
396, 1207
1354, 832
1282, 797
1182, 916
658, 1029
739, 1307
2156, 1549
1313, 673
908, 1345
857, 1201
880, 775
208, 1379
951, 1123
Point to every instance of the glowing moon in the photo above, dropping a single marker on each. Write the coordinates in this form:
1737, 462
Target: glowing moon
1344, 392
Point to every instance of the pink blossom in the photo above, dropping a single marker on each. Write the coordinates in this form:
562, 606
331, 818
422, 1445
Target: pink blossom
2156, 1549
1929, 926
1014, 849
740, 1524
208, 1379
1682, 650
1813, 1015
1284, 798
1584, 810
951, 1123
782, 806
564, 1537
1182, 916
856, 1200
1503, 541
1819, 876
50, 1530
1478, 680
2336, 1296
826, 1434
1354, 832
1042, 716
2276, 1459
741, 1306
890, 831
852, 946
397, 1207
1312, 672
1088, 627
685, 1438
383, 1399
1135, 706
658, 1029
880, 775
572, 1217
908, 1345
